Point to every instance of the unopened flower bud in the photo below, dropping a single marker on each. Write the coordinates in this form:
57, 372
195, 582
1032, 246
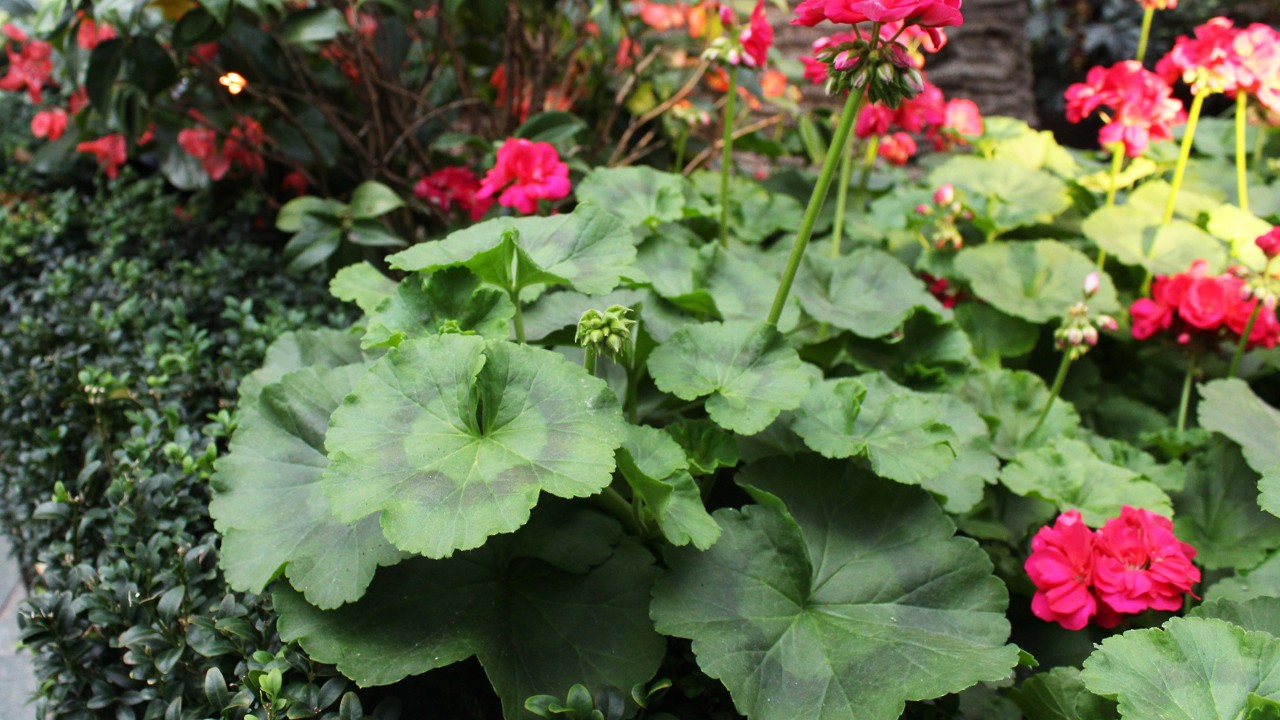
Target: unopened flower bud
1091, 284
923, 209
1106, 322
606, 331
726, 14
1090, 335
945, 194
844, 61
913, 81
1269, 242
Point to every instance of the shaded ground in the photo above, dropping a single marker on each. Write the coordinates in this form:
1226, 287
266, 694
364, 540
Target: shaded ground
17, 682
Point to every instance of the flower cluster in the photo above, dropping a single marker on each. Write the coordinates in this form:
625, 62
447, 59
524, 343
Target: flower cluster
750, 46
530, 171
927, 14
240, 148
450, 186
30, 63
941, 220
943, 122
1133, 563
1224, 58
1195, 304
1138, 105
1079, 330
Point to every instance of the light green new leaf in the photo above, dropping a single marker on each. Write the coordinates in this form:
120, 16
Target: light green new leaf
450, 300
1262, 581
1218, 512
896, 429
1240, 228
536, 625
1137, 238
326, 347
867, 292
707, 446
269, 504
656, 468
861, 602
748, 369
639, 196
372, 199
1188, 669
1230, 407
1008, 193
452, 439
1011, 403
588, 249
362, 284
1069, 474
1260, 614
1060, 694
1036, 281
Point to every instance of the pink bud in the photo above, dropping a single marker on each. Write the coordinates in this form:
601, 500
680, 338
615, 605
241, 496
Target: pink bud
1106, 322
1270, 242
923, 209
945, 194
726, 14
1090, 336
1091, 283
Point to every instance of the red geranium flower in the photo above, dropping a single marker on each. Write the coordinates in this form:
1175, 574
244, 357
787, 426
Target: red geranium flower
109, 150
1139, 564
451, 186
897, 148
29, 66
757, 37
49, 123
533, 171
90, 34
1061, 567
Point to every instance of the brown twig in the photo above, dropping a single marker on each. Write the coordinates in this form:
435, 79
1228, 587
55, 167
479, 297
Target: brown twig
718, 145
657, 110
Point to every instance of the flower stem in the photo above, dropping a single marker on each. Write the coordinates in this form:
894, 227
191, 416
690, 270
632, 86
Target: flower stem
589, 360
1242, 165
682, 144
1146, 34
1244, 339
851, 108
617, 506
1179, 170
1186, 392
842, 198
864, 179
1058, 380
517, 321
726, 163
1113, 181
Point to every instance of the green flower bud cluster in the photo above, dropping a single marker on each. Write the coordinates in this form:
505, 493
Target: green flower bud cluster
606, 332
883, 71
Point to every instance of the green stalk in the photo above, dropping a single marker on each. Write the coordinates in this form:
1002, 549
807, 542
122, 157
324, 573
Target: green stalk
1193, 116
589, 360
1244, 340
1146, 34
1058, 380
518, 320
851, 108
1186, 393
1117, 162
1242, 166
726, 163
842, 198
619, 508
681, 144
864, 179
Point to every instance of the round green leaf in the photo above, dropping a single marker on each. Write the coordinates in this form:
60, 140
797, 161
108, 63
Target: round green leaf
1011, 402
536, 625
1218, 511
1135, 238
588, 249
1037, 280
1060, 694
1009, 194
362, 284
656, 468
269, 504
639, 196
867, 292
313, 25
452, 439
291, 351
426, 305
1261, 581
1189, 669
372, 199
1260, 614
854, 599
748, 369
1232, 408
1069, 474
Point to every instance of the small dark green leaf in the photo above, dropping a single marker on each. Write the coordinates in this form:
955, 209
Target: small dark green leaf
313, 25
104, 67
151, 67
372, 199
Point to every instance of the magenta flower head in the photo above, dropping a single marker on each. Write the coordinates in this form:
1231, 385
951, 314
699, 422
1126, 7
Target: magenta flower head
1139, 105
534, 172
1269, 242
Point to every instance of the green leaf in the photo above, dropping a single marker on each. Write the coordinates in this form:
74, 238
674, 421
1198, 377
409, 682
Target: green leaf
536, 625
707, 447
1011, 402
372, 233
734, 279
867, 292
861, 602
372, 199
1136, 238
295, 212
749, 371
551, 127
362, 284
453, 439
1060, 694
1218, 512
104, 67
1240, 228
451, 300
1069, 474
1262, 581
588, 249
291, 351
994, 333
314, 25
318, 239
960, 486
1007, 193
1261, 614
1230, 407
1189, 669
1036, 281
559, 310
219, 9
639, 196
897, 429
269, 504
151, 68
657, 470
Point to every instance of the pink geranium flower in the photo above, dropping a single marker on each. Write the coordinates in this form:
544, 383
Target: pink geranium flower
1207, 62
1257, 50
1140, 565
897, 148
927, 13
1061, 567
530, 171
756, 38
1139, 105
